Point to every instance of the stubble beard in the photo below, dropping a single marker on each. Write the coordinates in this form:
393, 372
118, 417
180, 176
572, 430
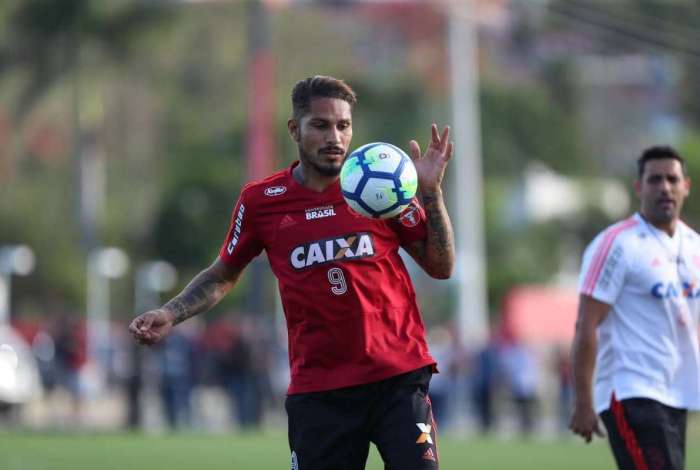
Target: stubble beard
659, 216
323, 170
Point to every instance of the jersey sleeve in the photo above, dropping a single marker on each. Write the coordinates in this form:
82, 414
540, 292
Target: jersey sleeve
241, 243
410, 225
603, 269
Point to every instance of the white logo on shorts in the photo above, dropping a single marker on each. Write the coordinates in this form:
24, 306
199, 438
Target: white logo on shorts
295, 461
424, 433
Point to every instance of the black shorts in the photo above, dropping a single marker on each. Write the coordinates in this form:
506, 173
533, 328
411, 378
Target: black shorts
333, 429
645, 434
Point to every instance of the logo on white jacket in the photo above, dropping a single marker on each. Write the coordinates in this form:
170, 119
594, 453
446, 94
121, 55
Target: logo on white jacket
352, 246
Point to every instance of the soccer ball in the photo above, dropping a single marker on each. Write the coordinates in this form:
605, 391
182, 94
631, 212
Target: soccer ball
378, 180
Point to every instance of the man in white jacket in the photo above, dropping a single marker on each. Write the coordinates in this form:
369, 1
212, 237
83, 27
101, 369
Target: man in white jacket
637, 325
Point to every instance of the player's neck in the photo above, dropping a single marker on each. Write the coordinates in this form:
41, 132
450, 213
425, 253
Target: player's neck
668, 227
311, 179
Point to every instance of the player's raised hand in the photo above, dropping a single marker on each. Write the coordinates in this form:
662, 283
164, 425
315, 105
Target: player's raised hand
430, 166
152, 326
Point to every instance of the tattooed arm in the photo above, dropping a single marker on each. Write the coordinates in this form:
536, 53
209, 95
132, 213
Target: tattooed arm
435, 254
202, 293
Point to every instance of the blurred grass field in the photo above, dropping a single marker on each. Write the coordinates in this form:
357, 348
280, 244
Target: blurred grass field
67, 451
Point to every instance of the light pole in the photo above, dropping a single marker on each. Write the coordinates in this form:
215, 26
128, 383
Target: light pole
472, 313
14, 259
103, 264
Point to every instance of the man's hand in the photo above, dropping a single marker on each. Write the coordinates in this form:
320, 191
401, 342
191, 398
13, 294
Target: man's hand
436, 253
591, 313
430, 166
585, 423
152, 326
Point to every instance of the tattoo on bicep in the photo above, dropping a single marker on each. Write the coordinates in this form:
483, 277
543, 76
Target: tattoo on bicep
201, 294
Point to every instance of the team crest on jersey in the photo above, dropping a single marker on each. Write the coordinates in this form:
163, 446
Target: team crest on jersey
409, 217
320, 212
346, 247
275, 190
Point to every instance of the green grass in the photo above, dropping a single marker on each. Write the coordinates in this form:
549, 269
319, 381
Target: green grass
198, 452
72, 451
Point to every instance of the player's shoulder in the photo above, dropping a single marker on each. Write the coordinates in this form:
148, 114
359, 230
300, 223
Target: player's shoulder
622, 232
690, 233
272, 186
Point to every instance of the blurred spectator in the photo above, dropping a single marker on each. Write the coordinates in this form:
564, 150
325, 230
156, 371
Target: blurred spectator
177, 367
447, 352
134, 385
562, 365
232, 351
521, 371
484, 382
70, 356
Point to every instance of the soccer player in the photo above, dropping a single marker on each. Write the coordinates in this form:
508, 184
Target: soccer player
638, 324
360, 365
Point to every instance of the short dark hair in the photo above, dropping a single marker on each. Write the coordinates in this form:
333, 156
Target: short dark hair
319, 86
658, 152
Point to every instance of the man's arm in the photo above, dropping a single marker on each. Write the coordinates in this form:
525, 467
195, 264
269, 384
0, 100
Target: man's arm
435, 254
204, 291
591, 313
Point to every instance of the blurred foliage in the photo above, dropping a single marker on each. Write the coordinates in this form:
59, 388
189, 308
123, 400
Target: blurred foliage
525, 123
647, 26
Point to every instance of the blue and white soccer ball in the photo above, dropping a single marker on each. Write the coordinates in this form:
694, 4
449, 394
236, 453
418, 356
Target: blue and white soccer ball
378, 180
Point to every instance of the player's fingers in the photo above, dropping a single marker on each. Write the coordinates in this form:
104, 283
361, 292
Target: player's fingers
445, 136
133, 326
449, 150
435, 137
146, 322
414, 150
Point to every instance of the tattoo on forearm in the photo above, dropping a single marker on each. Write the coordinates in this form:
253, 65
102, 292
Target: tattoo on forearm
440, 247
200, 295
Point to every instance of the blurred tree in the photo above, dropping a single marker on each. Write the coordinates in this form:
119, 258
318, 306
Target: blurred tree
43, 37
633, 26
523, 124
43, 45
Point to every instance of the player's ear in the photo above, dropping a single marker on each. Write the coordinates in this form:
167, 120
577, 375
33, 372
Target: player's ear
293, 128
